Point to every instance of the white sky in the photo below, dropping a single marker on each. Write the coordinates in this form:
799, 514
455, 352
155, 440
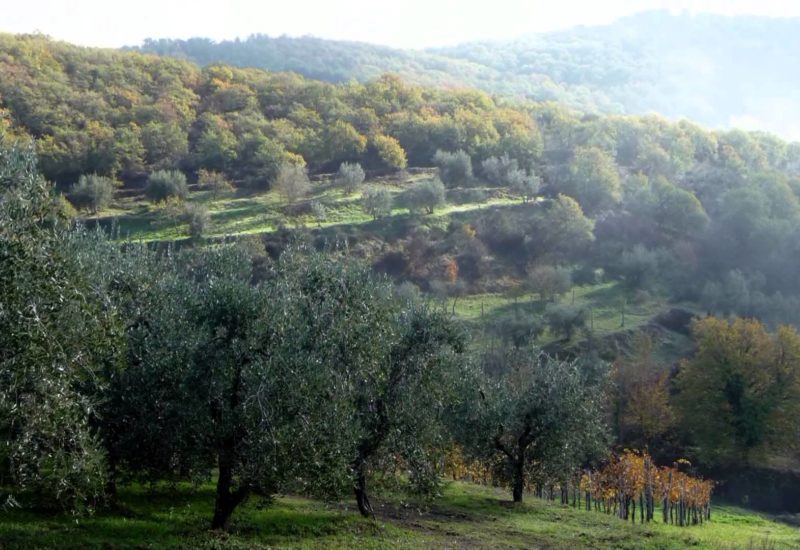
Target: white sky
399, 23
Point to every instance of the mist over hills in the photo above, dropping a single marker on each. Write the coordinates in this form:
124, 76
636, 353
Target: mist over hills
717, 70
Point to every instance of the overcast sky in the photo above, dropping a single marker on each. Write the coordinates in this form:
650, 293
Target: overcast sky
400, 23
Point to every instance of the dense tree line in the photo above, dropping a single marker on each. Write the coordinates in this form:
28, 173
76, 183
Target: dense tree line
629, 66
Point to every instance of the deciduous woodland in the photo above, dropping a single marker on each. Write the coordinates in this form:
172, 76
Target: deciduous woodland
269, 285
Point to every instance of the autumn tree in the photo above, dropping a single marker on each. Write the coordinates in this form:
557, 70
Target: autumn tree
214, 182
390, 152
642, 409
740, 393
559, 229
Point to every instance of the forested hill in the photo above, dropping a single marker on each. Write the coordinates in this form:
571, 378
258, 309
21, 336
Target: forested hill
712, 216
716, 70
511, 204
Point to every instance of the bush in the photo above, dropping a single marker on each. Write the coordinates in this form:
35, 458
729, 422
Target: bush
166, 184
65, 208
198, 218
454, 168
350, 177
93, 192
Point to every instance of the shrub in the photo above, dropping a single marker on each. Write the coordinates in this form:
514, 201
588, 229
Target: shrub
166, 184
466, 196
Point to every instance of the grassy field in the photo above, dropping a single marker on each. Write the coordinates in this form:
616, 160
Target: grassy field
467, 516
243, 213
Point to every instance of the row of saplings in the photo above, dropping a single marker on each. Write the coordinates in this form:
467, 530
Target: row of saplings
629, 481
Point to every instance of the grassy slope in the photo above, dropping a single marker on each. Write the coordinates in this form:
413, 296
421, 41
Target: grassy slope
466, 516
244, 213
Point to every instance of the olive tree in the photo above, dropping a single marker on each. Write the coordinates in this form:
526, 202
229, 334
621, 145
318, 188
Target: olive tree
93, 192
506, 171
350, 176
549, 281
166, 184
542, 416
392, 362
426, 195
455, 169
183, 393
55, 336
198, 218
564, 319
377, 202
292, 182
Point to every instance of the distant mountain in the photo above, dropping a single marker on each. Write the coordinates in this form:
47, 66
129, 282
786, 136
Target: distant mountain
717, 70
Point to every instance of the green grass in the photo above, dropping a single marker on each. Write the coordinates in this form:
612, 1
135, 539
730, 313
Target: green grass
605, 303
467, 516
252, 213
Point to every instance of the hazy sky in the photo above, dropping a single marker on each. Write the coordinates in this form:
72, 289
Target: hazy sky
401, 23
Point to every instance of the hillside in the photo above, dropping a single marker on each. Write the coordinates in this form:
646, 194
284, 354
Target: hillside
718, 71
595, 237
677, 204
